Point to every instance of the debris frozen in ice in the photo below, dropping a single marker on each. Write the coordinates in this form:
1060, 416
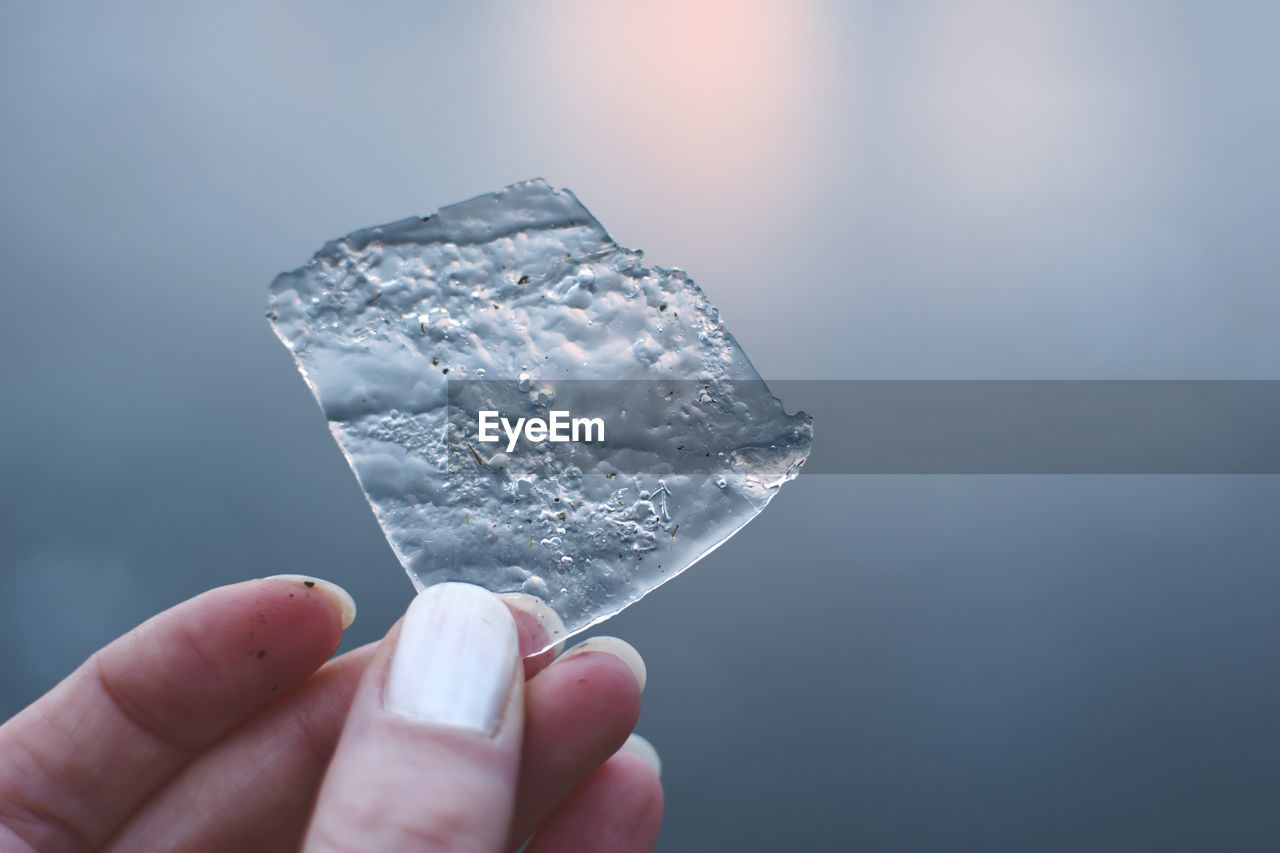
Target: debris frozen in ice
520, 301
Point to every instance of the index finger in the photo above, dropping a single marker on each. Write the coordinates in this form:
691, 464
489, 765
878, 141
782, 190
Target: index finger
78, 761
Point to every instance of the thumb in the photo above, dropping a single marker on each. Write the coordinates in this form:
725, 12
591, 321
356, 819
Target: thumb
430, 754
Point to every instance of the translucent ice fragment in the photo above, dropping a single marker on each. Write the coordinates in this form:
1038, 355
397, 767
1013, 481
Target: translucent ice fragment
519, 302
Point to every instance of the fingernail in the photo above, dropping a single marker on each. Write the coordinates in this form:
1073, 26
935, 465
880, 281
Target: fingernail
613, 646
642, 749
454, 659
340, 597
547, 620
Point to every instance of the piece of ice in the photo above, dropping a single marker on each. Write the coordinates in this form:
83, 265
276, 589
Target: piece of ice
520, 299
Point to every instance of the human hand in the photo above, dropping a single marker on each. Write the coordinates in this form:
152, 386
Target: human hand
219, 725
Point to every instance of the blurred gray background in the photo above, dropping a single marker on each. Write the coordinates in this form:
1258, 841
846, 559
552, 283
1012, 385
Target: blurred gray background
943, 190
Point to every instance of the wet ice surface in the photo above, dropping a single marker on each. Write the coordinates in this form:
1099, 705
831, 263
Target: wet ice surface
525, 285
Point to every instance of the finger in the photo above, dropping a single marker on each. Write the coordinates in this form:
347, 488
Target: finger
617, 810
429, 755
540, 630
254, 790
78, 761
579, 712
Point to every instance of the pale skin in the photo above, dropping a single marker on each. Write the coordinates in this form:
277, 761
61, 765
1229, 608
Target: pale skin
219, 725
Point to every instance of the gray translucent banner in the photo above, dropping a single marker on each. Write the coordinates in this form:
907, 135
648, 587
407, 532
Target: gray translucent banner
637, 427
898, 426
1040, 426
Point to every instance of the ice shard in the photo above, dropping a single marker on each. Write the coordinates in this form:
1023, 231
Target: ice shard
519, 303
